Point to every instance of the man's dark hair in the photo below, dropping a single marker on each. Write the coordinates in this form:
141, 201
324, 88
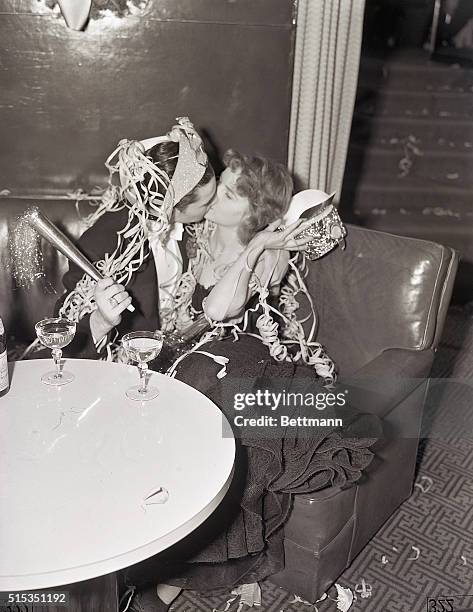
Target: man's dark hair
165, 156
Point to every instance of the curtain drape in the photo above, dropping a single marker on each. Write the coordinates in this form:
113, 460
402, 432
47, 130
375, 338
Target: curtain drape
327, 55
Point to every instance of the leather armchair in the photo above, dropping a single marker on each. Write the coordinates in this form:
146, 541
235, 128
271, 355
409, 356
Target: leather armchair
381, 306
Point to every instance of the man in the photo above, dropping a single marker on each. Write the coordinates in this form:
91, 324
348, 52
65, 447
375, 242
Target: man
139, 237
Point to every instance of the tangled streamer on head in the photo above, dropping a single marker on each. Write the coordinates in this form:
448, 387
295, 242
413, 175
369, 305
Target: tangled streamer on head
141, 186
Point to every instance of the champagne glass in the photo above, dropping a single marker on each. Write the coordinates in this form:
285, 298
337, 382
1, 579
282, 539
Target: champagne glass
142, 346
56, 334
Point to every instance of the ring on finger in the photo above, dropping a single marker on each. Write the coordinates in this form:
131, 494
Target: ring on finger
113, 301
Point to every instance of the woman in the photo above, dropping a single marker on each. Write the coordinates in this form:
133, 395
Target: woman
239, 255
244, 244
238, 258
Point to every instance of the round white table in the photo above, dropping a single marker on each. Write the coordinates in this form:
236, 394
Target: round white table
78, 462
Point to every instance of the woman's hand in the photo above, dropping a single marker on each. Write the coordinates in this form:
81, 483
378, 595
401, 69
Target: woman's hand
269, 238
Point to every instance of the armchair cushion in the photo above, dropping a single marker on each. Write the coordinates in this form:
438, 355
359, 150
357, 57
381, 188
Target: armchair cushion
387, 290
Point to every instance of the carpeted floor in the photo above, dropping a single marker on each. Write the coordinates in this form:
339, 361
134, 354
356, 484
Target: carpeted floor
426, 548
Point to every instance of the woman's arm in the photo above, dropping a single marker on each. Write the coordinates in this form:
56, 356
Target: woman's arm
265, 254
230, 295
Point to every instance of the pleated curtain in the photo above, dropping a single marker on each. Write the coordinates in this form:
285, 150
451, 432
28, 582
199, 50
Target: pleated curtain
327, 56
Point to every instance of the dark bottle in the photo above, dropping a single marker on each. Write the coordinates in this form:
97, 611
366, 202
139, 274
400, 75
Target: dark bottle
4, 381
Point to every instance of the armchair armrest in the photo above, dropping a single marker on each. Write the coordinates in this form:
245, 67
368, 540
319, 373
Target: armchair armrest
387, 380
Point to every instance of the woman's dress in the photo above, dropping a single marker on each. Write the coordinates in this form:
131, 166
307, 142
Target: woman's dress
242, 541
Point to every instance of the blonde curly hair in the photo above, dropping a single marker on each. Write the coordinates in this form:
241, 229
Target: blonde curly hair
267, 185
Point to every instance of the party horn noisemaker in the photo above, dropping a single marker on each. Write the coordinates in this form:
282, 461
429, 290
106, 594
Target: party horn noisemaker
45, 228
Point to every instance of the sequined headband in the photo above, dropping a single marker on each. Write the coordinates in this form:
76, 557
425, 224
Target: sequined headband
191, 162
133, 165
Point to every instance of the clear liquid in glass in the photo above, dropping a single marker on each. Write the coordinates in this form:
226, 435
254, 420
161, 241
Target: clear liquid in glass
142, 347
143, 350
56, 334
53, 336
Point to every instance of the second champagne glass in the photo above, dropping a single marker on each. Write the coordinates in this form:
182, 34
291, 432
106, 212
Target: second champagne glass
142, 346
55, 334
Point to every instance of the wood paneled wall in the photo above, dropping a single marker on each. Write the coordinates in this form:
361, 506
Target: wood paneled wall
67, 98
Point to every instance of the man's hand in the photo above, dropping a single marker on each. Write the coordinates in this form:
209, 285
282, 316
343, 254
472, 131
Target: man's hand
111, 299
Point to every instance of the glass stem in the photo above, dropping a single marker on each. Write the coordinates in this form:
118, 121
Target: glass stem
143, 368
57, 354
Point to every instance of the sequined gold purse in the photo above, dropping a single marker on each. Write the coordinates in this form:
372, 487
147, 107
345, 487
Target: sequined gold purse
326, 228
